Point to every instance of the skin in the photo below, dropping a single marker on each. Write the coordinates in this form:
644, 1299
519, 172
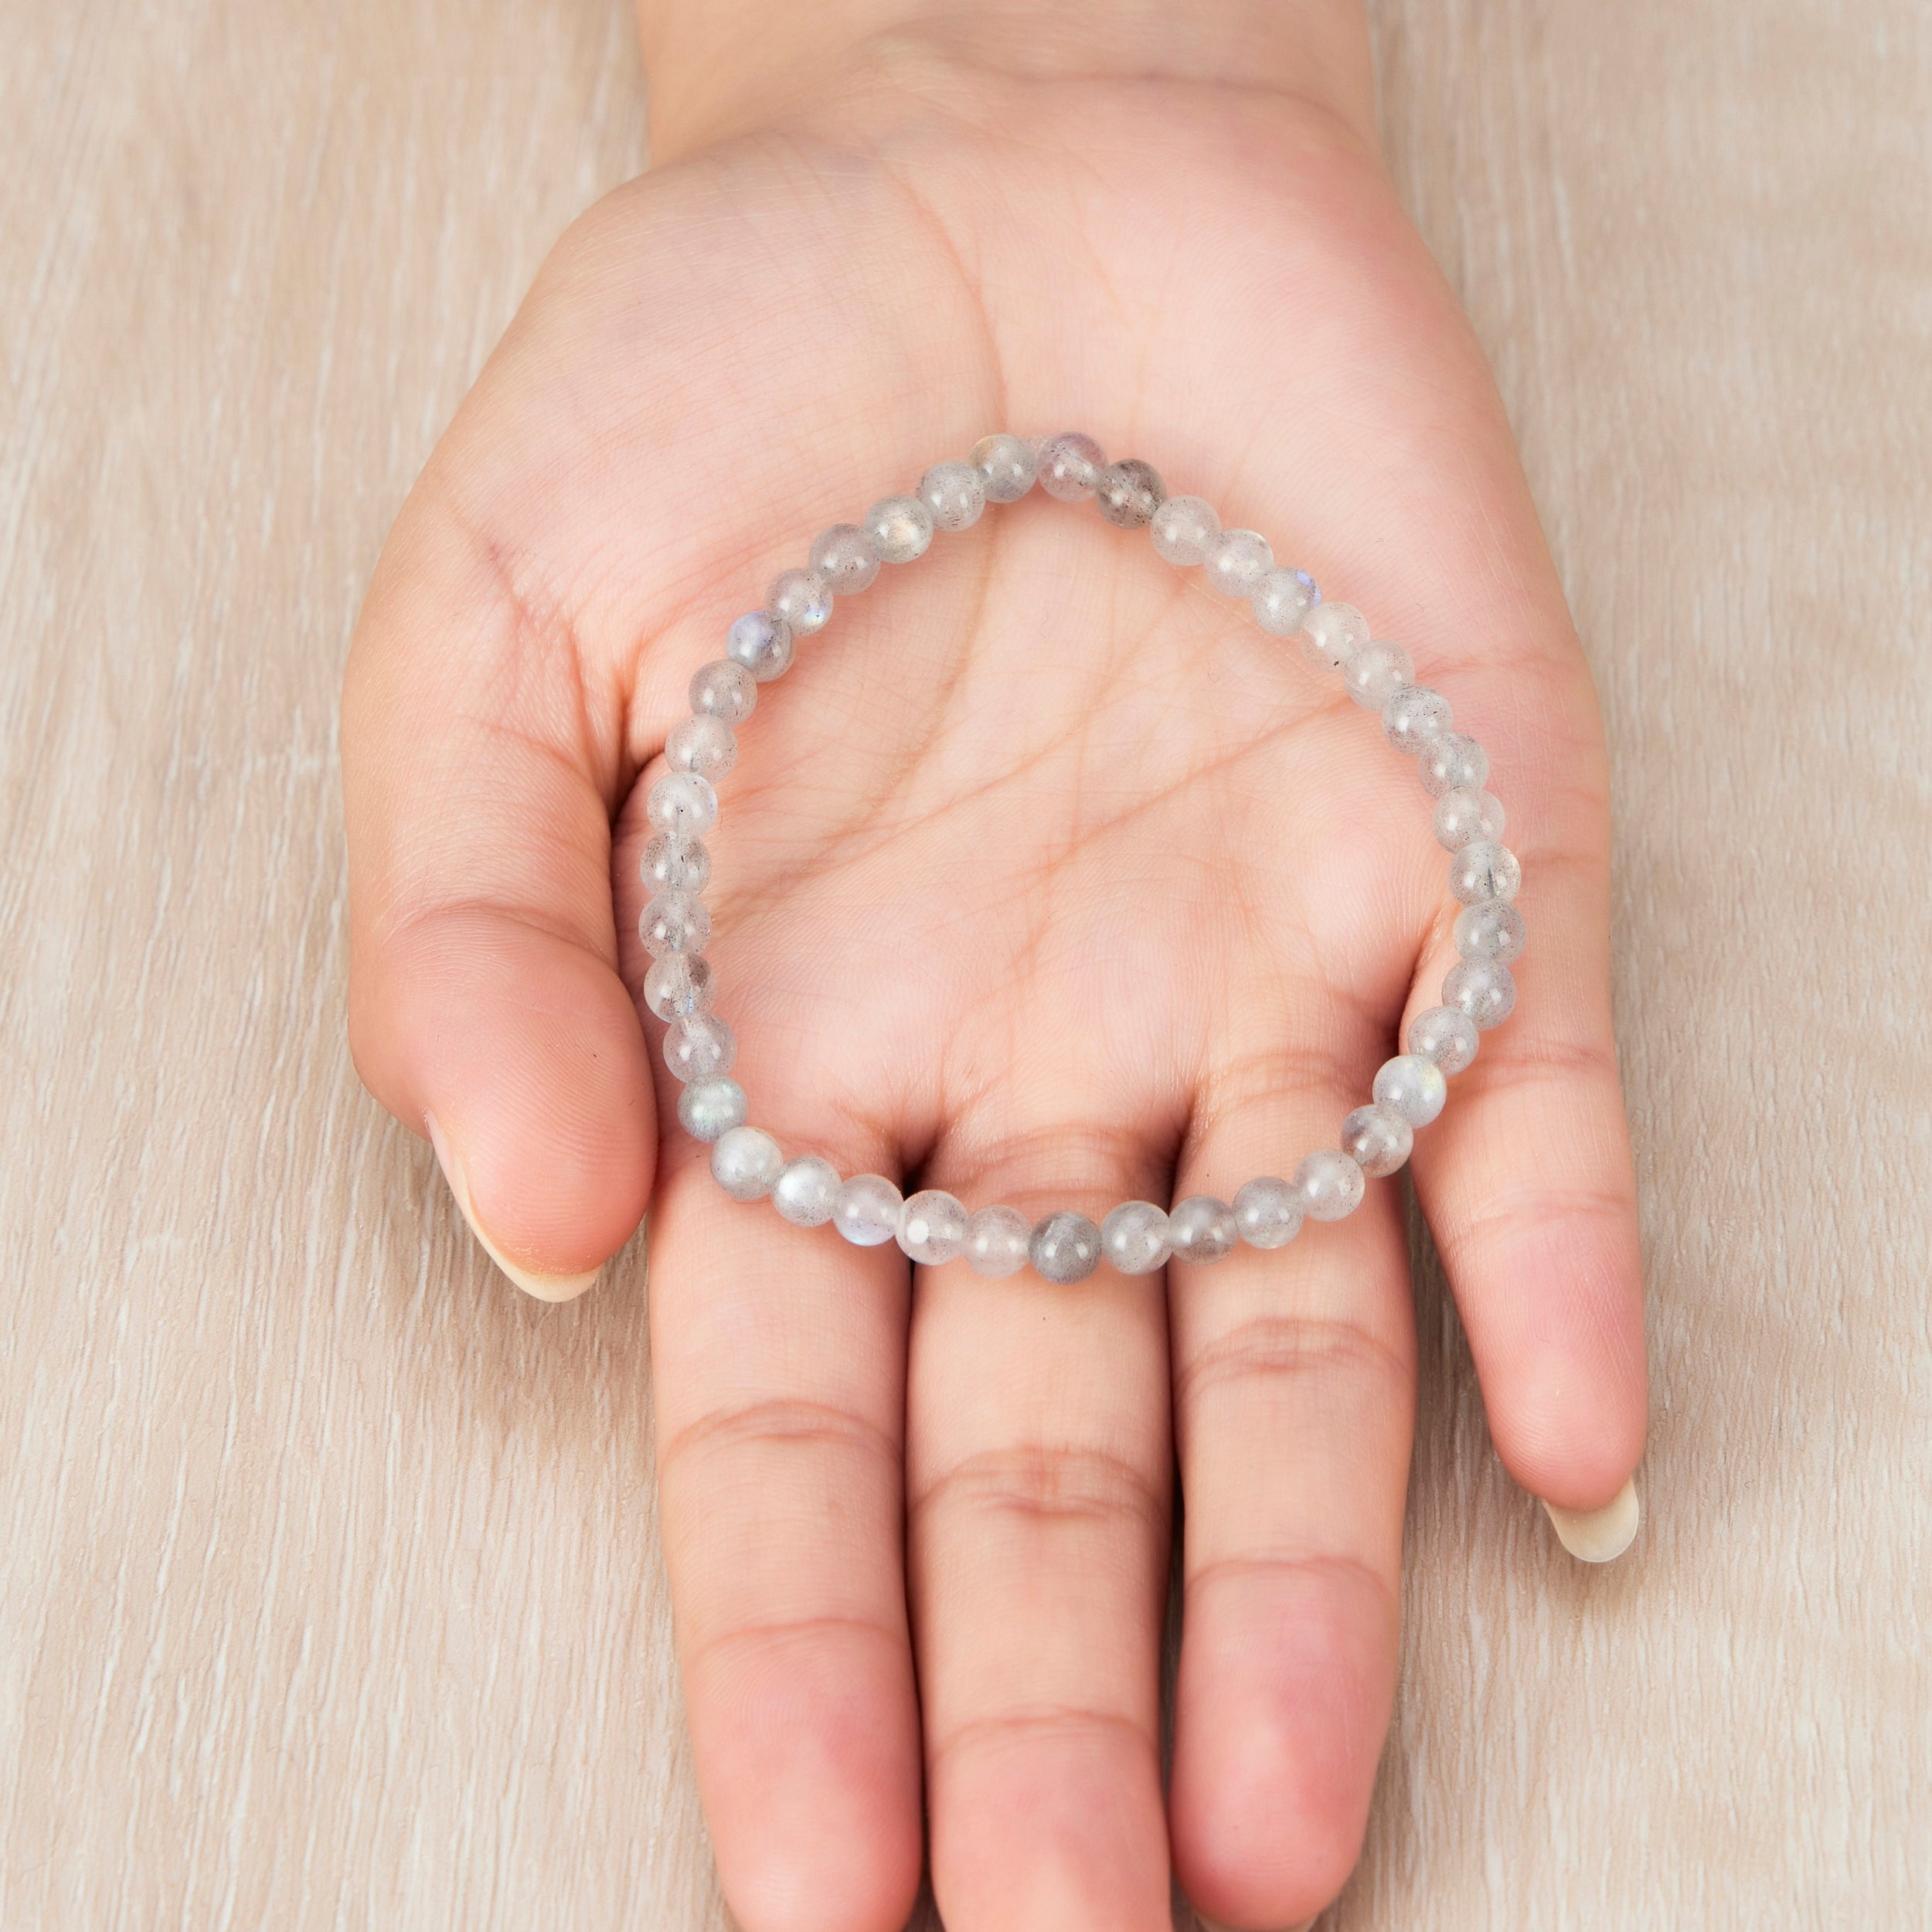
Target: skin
1046, 877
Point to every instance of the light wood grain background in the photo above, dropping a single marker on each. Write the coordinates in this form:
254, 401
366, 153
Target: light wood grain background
330, 1592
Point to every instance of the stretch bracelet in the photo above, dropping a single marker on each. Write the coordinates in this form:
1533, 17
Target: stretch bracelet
1138, 1236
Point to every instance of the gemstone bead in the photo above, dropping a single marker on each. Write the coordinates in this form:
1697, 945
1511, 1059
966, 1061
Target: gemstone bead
1461, 816
1129, 493
675, 865
803, 598
745, 1162
762, 643
804, 1191
682, 806
705, 745
1332, 634
707, 1109
866, 1210
723, 688
1376, 673
1070, 466
701, 1046
1006, 465
900, 528
1065, 1248
1282, 600
1184, 529
1134, 1237
1268, 1212
1238, 562
1414, 717
1443, 1034
932, 1226
846, 558
674, 922
1484, 869
1377, 1139
954, 494
1201, 1229
997, 1239
678, 985
1493, 929
1483, 988
1414, 1086
1330, 1184
1452, 763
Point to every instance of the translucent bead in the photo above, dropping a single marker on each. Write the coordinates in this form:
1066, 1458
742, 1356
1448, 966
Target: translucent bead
1332, 634
745, 1162
762, 643
701, 1046
1443, 1034
803, 598
682, 806
1493, 929
932, 1226
1129, 493
1184, 530
1238, 562
678, 985
1330, 1185
997, 1237
866, 1210
846, 558
1268, 1212
1066, 1248
1006, 465
1377, 1139
1134, 1237
954, 494
705, 745
1415, 717
1484, 869
900, 528
1452, 763
1282, 601
804, 1191
1414, 1086
1069, 465
1376, 673
708, 1108
1461, 816
1201, 1229
1483, 988
675, 865
723, 688
674, 922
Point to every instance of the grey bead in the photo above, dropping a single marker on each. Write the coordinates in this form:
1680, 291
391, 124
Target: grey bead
1483, 870
1412, 1084
745, 1162
1330, 1185
1070, 466
1184, 530
846, 558
1065, 1248
1331, 633
681, 805
762, 643
723, 688
1238, 562
1462, 816
1452, 763
1282, 600
1376, 673
700, 1046
1443, 1034
866, 1210
678, 985
1377, 1139
1484, 988
900, 527
674, 922
932, 1226
1493, 929
1414, 717
805, 1190
702, 743
1268, 1212
1129, 493
1134, 1237
803, 598
997, 1237
1006, 465
1201, 1229
954, 494
675, 865
707, 1109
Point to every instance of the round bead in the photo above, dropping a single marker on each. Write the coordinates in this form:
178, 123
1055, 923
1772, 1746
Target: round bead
866, 1210
675, 865
1268, 1212
1238, 562
932, 1226
674, 922
954, 494
1065, 1247
1332, 634
682, 806
1070, 466
705, 745
678, 985
762, 643
723, 688
1129, 493
1452, 763
700, 1046
1377, 1139
1201, 1229
1443, 1034
846, 558
900, 528
1330, 1185
1461, 816
1415, 717
1483, 988
1184, 529
707, 1109
745, 1162
1414, 1086
804, 1191
1376, 673
1134, 1237
1006, 466
1492, 930
1282, 600
1484, 869
997, 1237
803, 598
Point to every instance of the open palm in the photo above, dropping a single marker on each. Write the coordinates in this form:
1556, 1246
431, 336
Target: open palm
1045, 876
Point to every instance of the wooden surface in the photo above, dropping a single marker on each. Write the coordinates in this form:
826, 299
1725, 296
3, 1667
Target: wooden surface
330, 1594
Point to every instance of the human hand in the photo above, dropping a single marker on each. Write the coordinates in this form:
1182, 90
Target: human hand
1045, 877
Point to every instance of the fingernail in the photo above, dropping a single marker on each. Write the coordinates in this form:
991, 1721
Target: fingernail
1215, 1925
544, 1287
1598, 1535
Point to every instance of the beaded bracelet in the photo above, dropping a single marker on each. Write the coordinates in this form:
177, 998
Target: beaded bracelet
1138, 1236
